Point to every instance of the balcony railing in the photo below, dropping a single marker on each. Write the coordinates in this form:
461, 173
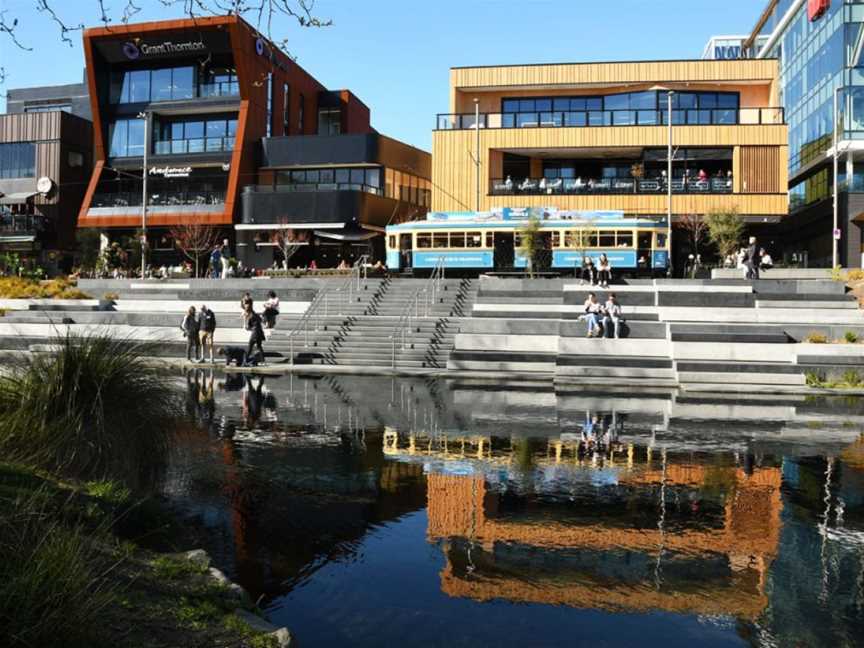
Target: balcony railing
21, 223
158, 198
606, 186
198, 145
320, 186
219, 89
588, 118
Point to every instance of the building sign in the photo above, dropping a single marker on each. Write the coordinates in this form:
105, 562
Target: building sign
817, 8
134, 51
170, 172
181, 44
722, 52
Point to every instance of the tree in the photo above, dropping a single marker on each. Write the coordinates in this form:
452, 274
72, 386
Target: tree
725, 230
288, 240
88, 240
696, 228
195, 238
62, 15
530, 242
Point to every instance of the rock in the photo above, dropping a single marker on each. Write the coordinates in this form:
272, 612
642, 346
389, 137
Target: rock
255, 622
198, 557
283, 637
233, 588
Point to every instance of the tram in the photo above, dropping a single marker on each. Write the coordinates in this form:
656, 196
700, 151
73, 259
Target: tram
490, 241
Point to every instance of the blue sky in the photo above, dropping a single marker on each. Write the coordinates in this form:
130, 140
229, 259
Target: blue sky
395, 54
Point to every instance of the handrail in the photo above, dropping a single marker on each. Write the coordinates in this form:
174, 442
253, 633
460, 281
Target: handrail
303, 323
428, 294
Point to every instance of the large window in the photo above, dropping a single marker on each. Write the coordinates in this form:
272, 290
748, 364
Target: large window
196, 135
301, 113
286, 109
219, 82
329, 121
331, 179
163, 84
18, 160
269, 125
126, 137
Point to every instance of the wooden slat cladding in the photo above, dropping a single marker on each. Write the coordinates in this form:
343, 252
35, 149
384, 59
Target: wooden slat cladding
30, 127
759, 166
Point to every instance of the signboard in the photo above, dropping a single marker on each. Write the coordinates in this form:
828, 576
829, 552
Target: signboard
478, 259
170, 172
178, 44
524, 213
817, 8
723, 52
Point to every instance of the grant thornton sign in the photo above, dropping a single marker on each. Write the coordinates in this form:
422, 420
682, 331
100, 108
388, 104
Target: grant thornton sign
134, 51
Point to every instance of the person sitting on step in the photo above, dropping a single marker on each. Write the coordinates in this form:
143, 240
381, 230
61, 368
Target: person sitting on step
593, 315
612, 319
589, 271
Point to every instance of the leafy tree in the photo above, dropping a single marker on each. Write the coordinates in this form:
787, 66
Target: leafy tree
530, 242
725, 230
88, 247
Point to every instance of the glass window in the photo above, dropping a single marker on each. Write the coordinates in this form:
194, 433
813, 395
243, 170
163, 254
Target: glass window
526, 105
139, 86
490, 240
707, 100
136, 137
624, 239
424, 240
342, 176
160, 85
373, 178
543, 105
592, 239
556, 239
594, 103
660, 240
577, 103
18, 160
616, 102
572, 239
269, 117
561, 105
684, 100
439, 240
357, 176
176, 131
232, 127
193, 130
298, 177
727, 100
183, 82
643, 100
510, 106
216, 128
607, 239
457, 239
326, 176
473, 240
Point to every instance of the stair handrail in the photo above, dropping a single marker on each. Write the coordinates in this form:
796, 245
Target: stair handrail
311, 314
428, 294
353, 283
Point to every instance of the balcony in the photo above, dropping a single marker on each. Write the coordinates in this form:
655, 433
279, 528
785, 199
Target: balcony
593, 118
21, 224
607, 186
219, 89
129, 202
197, 145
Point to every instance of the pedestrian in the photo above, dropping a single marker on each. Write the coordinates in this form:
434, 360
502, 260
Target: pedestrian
752, 259
589, 271
234, 354
246, 304
256, 337
271, 310
216, 262
207, 326
226, 255
190, 330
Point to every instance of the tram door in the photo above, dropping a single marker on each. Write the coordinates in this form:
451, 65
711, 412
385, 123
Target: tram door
503, 250
405, 259
643, 251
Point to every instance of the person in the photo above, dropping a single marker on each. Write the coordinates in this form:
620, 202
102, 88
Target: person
593, 312
226, 255
343, 265
703, 176
766, 261
234, 354
216, 262
246, 304
588, 270
190, 331
271, 310
612, 319
508, 184
752, 259
207, 326
313, 265
256, 337
604, 271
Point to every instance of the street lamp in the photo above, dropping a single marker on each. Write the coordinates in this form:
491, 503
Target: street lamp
669, 94
145, 117
477, 150
835, 242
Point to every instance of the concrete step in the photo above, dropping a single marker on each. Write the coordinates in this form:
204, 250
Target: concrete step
645, 362
810, 305
741, 378
750, 338
591, 372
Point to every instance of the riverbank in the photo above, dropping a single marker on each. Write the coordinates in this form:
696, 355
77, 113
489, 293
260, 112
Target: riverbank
85, 565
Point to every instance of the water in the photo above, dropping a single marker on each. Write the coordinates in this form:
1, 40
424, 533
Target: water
373, 511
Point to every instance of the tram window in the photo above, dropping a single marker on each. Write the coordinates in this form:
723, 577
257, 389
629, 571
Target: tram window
517, 240
457, 239
592, 239
392, 243
439, 240
607, 239
490, 240
644, 240
661, 240
424, 240
556, 239
572, 239
625, 239
473, 240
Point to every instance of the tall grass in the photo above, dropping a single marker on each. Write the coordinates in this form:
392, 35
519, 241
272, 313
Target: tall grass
93, 409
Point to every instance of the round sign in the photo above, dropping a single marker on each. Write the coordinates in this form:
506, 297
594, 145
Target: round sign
259, 46
44, 184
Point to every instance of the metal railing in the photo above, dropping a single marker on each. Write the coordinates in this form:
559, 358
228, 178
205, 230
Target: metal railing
421, 305
590, 118
338, 299
607, 186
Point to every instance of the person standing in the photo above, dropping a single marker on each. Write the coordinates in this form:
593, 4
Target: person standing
246, 305
207, 326
216, 262
752, 259
190, 331
256, 336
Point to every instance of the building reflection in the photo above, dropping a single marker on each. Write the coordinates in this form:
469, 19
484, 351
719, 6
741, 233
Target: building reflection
641, 528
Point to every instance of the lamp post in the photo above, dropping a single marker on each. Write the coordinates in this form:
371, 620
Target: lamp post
477, 150
145, 117
835, 261
669, 181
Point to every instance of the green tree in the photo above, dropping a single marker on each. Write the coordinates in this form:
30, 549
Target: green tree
530, 242
725, 230
88, 247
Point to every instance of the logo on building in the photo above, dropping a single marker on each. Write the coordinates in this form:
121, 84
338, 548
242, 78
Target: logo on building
259, 46
727, 52
817, 8
171, 172
131, 51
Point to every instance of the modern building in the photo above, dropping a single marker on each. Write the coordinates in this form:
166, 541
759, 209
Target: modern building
237, 135
820, 48
45, 162
595, 136
71, 98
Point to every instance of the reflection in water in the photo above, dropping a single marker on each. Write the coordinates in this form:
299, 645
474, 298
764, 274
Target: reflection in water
369, 510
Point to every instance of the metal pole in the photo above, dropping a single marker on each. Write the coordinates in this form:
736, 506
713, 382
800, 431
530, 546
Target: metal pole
146, 118
477, 149
669, 183
836, 156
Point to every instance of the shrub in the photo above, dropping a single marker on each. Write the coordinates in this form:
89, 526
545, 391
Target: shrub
725, 230
19, 288
814, 337
111, 296
855, 275
851, 337
814, 379
837, 274
94, 409
852, 378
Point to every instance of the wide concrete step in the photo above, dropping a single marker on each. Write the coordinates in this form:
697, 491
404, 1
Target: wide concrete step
750, 338
741, 378
645, 362
590, 372
812, 305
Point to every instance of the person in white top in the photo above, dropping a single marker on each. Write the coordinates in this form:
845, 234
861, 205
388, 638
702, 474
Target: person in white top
612, 320
271, 310
593, 314
604, 271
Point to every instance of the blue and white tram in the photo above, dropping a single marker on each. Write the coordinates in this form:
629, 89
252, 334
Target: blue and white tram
490, 241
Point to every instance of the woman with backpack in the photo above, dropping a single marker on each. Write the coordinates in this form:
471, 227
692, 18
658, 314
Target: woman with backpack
191, 329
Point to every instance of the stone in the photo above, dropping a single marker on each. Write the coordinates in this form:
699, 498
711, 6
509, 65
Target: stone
283, 637
235, 590
198, 557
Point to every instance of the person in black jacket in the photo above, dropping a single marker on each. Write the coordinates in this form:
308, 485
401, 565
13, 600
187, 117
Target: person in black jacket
256, 336
752, 259
190, 332
207, 326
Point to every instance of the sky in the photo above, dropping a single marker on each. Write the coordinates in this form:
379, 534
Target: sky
395, 54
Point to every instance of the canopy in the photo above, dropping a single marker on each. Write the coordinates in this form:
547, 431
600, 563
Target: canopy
17, 198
